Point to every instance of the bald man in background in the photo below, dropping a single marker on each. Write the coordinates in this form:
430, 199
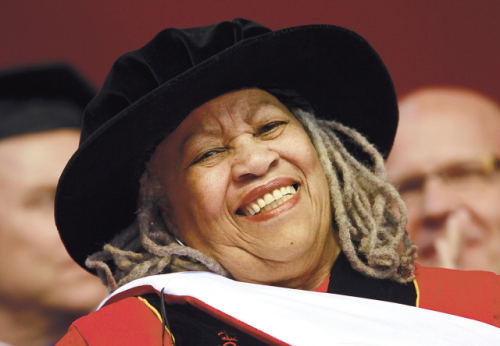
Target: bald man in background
445, 163
42, 290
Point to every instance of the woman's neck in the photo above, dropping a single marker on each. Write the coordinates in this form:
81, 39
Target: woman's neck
315, 274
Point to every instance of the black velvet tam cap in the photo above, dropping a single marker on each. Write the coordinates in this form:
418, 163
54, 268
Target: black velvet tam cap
41, 98
148, 93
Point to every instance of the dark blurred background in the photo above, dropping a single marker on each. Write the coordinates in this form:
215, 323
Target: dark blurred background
422, 42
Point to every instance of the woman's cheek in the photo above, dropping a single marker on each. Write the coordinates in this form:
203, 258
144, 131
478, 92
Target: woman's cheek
206, 187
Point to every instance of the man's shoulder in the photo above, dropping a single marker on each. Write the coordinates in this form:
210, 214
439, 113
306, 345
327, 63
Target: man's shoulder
471, 294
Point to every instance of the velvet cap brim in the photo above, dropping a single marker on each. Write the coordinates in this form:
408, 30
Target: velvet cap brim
333, 68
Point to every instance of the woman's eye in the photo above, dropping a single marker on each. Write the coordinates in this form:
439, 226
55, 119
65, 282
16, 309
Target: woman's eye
207, 155
270, 127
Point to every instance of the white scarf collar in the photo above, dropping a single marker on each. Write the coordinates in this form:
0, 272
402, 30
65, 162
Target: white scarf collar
304, 318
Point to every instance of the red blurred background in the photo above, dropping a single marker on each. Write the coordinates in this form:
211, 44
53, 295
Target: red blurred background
423, 42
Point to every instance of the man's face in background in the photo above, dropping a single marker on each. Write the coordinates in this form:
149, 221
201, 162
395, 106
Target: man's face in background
445, 164
35, 269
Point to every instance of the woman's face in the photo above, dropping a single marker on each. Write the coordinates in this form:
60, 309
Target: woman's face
229, 158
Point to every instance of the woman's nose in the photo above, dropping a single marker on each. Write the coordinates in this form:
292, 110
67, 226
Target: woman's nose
252, 158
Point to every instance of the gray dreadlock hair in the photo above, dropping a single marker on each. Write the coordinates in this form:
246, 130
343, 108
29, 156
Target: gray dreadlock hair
146, 247
371, 234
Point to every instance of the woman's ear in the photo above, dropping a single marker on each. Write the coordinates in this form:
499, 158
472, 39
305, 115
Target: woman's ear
166, 214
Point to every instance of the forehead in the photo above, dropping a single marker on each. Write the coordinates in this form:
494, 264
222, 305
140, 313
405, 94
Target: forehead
450, 117
221, 114
36, 157
442, 129
233, 106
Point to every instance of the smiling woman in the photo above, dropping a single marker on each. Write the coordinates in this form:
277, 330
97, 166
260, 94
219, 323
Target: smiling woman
238, 152
259, 148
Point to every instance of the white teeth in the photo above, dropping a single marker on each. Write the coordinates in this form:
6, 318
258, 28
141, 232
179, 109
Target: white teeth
255, 207
250, 212
277, 194
270, 200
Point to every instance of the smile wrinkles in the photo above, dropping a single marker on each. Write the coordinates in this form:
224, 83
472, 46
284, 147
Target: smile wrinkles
269, 201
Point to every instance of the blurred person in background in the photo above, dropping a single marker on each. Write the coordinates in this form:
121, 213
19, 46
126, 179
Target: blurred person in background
42, 290
445, 163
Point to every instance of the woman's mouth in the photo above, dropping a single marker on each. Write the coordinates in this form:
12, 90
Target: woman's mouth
269, 201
